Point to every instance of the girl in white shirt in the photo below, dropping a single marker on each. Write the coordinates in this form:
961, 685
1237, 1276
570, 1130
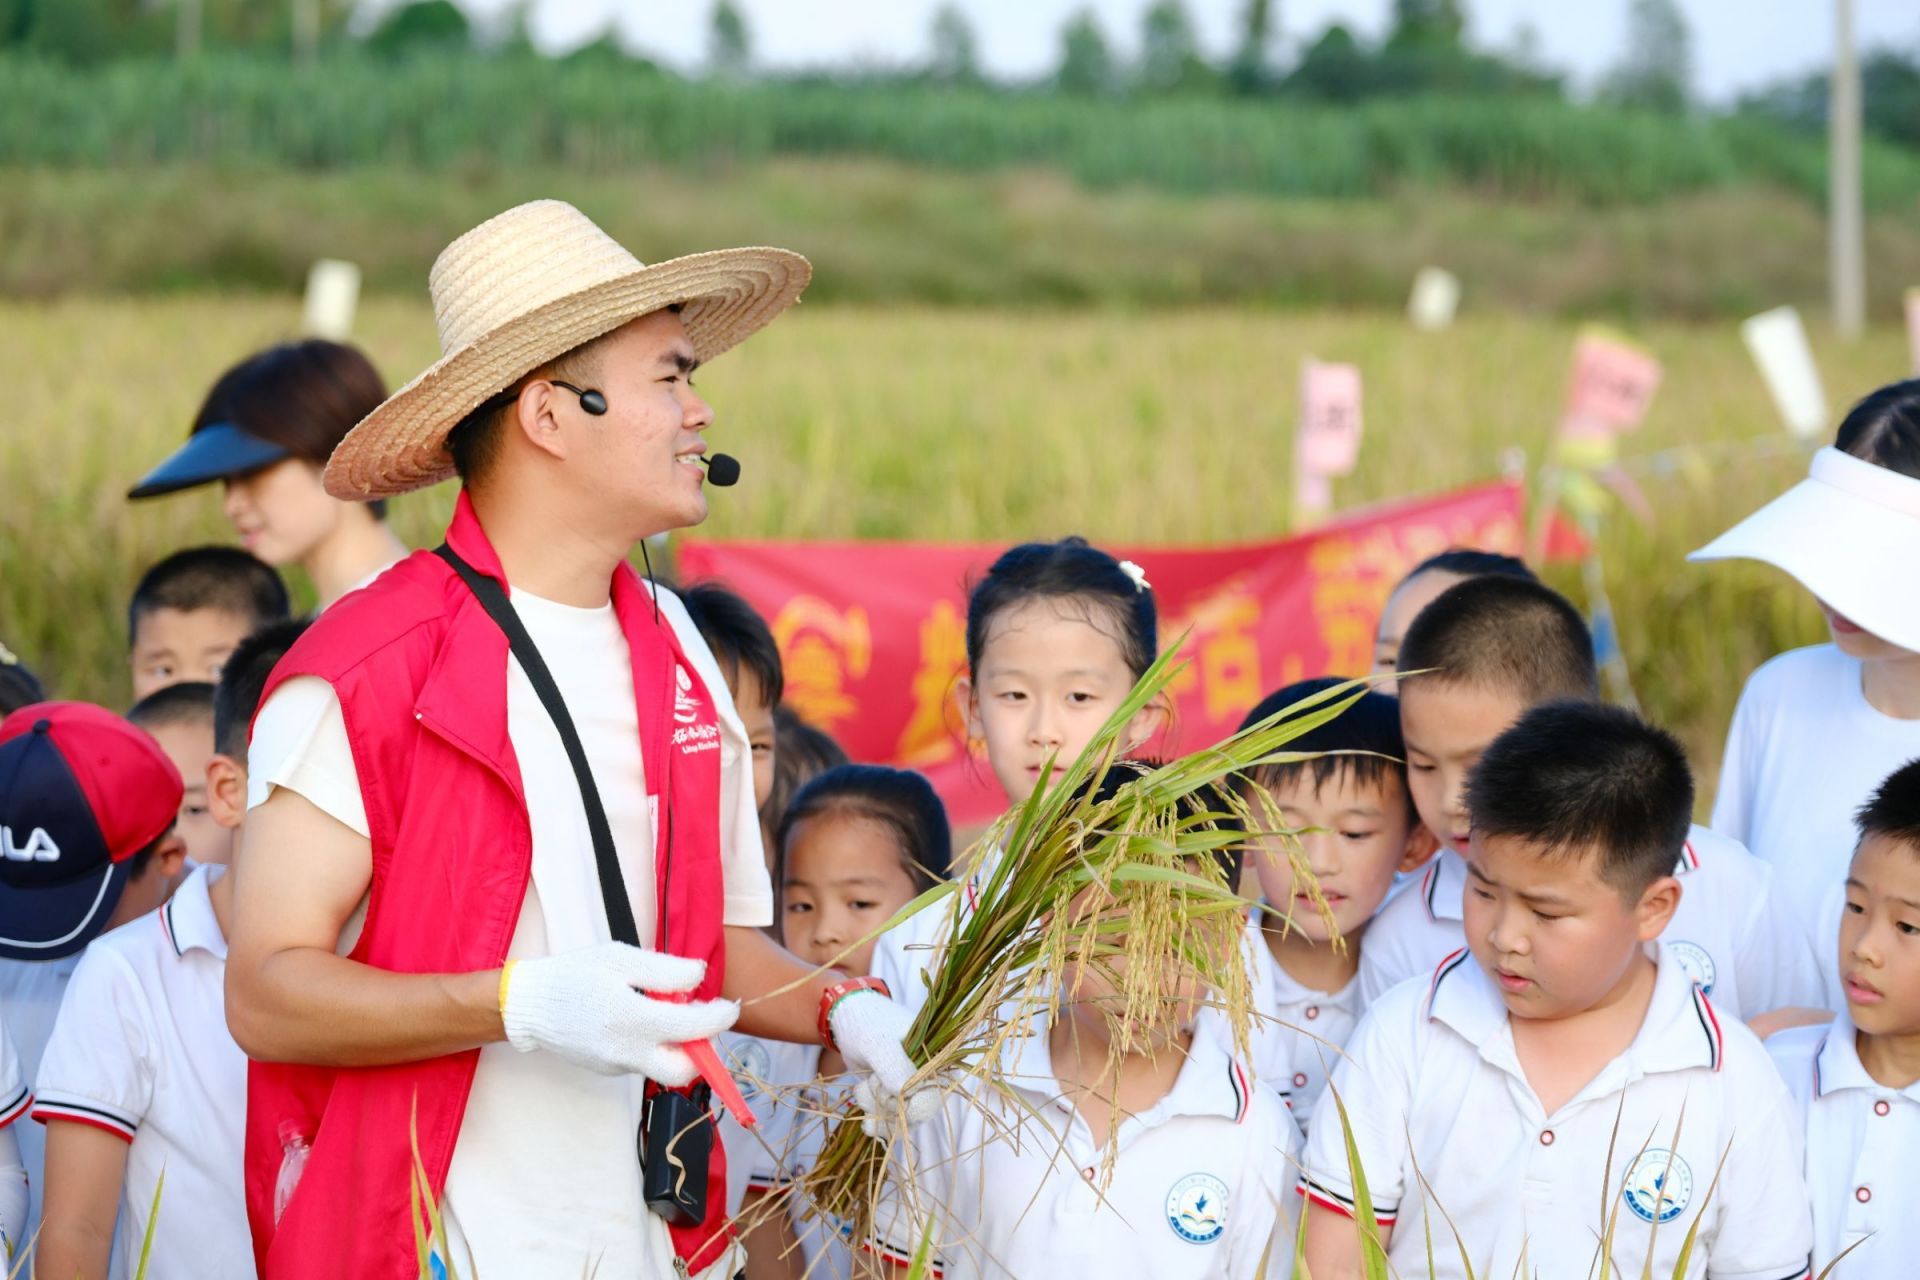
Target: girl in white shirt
1816, 729
1057, 634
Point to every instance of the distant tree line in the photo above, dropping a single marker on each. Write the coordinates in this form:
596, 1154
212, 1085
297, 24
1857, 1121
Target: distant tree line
1425, 50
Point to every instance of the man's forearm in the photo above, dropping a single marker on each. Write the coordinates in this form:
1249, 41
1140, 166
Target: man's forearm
756, 965
311, 1006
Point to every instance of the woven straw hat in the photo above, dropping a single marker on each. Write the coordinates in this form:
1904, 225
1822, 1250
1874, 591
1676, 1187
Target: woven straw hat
524, 287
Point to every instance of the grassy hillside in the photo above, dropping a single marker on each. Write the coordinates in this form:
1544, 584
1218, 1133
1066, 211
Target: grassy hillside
883, 232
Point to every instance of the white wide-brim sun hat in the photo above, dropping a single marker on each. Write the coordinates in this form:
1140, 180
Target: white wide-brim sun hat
1849, 533
525, 287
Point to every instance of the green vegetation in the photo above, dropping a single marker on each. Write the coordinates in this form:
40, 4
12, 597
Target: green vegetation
445, 116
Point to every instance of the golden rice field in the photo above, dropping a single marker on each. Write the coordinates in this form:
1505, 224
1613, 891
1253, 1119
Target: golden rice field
1147, 426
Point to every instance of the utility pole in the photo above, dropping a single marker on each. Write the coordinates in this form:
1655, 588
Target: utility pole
186, 31
306, 31
1847, 258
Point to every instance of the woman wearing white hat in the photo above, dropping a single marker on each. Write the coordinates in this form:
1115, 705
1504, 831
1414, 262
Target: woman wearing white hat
502, 872
1817, 729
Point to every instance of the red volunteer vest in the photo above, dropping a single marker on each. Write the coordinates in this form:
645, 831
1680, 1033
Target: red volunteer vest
420, 671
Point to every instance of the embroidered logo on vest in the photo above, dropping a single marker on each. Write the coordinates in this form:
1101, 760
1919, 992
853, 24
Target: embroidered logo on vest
691, 736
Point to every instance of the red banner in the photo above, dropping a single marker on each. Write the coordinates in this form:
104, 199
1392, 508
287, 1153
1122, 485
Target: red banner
873, 634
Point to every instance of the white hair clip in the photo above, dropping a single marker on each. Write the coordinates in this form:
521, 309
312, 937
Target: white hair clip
1137, 574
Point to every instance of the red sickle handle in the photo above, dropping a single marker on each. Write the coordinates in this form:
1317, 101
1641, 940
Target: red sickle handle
707, 1062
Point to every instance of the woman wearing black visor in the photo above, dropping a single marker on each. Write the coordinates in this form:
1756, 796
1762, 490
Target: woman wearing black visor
265, 432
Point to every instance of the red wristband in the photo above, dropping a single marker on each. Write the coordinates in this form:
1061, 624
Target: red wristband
839, 991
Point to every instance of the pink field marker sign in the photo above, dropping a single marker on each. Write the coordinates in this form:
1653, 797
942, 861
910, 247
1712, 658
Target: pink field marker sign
1327, 443
1610, 389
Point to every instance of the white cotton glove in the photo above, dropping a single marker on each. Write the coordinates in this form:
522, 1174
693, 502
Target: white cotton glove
592, 1008
870, 1030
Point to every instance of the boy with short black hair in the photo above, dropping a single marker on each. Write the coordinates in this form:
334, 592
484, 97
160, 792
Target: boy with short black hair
190, 610
750, 660
142, 1076
1490, 648
1857, 1082
1017, 1177
180, 718
1361, 829
1567, 1053
1424, 583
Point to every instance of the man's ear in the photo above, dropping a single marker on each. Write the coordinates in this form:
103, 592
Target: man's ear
1656, 907
967, 703
533, 418
1422, 844
227, 791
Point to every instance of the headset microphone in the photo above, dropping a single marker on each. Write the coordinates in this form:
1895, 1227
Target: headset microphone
723, 469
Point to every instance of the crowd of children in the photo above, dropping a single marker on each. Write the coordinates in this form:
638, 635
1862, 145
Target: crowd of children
1509, 999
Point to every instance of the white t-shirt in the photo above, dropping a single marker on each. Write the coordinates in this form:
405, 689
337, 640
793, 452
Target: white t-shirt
1861, 1138
1735, 931
1432, 1080
30, 995
544, 1177
1806, 749
142, 1051
1200, 1183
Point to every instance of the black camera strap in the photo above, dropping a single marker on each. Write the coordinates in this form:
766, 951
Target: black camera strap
673, 1170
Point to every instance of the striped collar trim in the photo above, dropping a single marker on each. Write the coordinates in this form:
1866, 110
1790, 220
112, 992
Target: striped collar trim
1680, 1032
1443, 886
187, 920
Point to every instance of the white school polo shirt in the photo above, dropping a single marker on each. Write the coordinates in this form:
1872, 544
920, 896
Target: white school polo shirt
1298, 1032
1433, 1061
1733, 930
796, 1109
30, 996
142, 1051
906, 956
1199, 1187
1862, 1139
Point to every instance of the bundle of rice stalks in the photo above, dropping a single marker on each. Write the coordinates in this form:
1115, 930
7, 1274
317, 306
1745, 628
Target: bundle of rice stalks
1086, 875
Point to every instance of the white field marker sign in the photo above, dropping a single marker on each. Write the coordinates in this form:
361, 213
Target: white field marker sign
1779, 345
1327, 442
333, 293
1435, 298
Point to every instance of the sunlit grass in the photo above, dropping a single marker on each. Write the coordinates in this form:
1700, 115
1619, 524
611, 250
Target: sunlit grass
1153, 426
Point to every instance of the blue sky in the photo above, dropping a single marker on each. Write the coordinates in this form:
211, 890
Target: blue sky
1737, 43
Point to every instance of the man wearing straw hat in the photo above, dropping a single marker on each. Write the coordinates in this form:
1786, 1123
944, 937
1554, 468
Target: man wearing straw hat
501, 860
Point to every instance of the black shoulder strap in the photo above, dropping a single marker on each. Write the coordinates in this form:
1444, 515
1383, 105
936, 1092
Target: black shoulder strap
613, 888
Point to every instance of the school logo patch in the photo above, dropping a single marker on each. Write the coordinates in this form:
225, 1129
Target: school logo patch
1197, 1208
750, 1063
1695, 963
1658, 1186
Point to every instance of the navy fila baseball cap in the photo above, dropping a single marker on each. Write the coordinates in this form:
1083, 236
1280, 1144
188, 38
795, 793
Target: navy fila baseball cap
81, 792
